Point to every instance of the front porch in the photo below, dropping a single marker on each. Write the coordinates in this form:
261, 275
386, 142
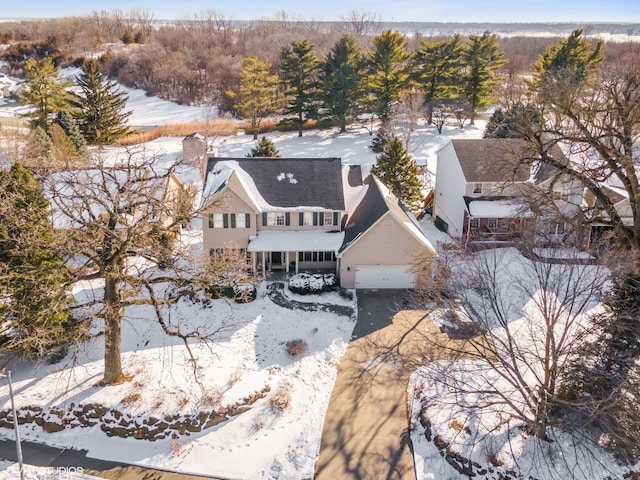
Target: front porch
280, 254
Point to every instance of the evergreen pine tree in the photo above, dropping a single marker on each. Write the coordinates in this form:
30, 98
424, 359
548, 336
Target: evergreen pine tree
437, 69
572, 61
100, 107
482, 57
32, 271
257, 96
264, 148
382, 138
342, 80
388, 73
512, 122
44, 91
399, 172
300, 69
72, 131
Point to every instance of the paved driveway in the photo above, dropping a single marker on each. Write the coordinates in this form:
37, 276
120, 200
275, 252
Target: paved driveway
365, 435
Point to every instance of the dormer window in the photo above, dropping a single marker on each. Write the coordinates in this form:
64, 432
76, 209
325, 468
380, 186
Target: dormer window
477, 188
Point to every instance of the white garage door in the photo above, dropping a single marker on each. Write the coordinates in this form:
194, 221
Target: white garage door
385, 276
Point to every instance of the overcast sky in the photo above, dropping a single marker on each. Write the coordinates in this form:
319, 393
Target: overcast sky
627, 11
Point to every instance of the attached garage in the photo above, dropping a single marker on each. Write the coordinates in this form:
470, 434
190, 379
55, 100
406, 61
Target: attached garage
385, 276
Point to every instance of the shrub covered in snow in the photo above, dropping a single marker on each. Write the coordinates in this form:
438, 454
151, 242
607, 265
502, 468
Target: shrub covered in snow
309, 283
241, 293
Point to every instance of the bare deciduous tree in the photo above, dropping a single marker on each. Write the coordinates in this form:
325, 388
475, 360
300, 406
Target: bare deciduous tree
123, 226
362, 23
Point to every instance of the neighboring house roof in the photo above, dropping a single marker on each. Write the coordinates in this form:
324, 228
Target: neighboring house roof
499, 159
616, 195
91, 192
195, 135
281, 182
377, 202
496, 207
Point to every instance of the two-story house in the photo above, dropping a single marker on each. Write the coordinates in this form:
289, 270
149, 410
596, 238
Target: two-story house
311, 214
485, 192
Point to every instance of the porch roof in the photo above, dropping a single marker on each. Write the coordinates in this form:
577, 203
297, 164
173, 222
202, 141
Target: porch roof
296, 241
497, 209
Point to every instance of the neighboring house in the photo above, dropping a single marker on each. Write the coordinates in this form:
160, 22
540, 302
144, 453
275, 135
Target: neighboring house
90, 193
485, 193
310, 214
600, 225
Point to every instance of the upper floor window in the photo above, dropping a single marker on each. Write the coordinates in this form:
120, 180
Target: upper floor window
229, 220
477, 188
276, 219
561, 192
216, 220
475, 223
326, 219
307, 219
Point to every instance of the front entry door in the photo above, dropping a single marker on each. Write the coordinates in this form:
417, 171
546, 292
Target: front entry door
277, 260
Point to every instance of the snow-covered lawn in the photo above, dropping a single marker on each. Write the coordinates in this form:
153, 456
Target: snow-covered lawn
447, 425
247, 355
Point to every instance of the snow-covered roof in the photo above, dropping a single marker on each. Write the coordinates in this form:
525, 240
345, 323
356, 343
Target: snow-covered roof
497, 209
296, 240
195, 136
374, 203
86, 194
281, 183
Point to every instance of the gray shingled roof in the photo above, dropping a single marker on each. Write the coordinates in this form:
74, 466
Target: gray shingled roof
294, 182
369, 210
499, 159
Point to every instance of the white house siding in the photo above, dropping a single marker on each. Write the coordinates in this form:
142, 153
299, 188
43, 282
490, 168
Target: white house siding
451, 186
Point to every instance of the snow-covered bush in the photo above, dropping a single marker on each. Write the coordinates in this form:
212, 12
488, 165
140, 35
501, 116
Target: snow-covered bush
241, 293
309, 283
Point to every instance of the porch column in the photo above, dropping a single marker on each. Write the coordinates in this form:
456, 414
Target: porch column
286, 259
297, 257
253, 264
264, 265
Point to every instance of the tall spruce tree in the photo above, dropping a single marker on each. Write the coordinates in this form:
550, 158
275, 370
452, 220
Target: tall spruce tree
342, 80
257, 96
436, 70
388, 74
45, 92
33, 276
399, 172
300, 69
100, 106
482, 57
264, 148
